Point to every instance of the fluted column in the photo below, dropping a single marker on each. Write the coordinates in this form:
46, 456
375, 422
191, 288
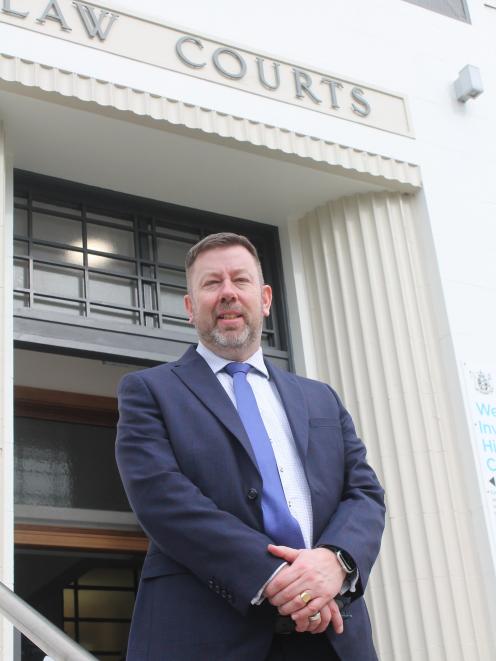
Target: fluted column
373, 334
6, 388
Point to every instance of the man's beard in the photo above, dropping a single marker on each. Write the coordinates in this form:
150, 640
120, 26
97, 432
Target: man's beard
232, 339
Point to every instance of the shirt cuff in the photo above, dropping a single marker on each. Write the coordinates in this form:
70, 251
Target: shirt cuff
350, 582
259, 598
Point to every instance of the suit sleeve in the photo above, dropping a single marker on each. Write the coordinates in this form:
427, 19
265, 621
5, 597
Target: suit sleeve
357, 524
186, 525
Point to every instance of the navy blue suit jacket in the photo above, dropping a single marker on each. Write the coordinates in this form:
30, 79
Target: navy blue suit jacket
192, 480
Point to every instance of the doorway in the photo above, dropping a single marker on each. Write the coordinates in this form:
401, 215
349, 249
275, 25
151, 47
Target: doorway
78, 546
89, 595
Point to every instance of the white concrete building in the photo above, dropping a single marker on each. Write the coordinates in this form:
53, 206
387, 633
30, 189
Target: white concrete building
331, 133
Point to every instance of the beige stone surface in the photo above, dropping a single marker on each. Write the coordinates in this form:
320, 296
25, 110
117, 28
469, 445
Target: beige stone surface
373, 336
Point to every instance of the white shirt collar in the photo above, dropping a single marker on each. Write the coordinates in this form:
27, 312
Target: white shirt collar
217, 363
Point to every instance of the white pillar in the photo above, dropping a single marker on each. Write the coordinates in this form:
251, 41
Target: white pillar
372, 327
6, 393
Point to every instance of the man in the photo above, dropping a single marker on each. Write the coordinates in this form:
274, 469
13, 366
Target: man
263, 516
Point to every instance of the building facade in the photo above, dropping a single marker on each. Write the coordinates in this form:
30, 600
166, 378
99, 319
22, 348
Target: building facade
334, 135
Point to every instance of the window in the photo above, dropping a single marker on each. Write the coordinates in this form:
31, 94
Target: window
104, 272
88, 594
97, 610
453, 8
46, 454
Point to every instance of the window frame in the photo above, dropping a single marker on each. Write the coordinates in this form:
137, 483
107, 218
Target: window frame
52, 331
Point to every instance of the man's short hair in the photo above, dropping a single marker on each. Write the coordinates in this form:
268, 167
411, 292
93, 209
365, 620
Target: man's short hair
221, 240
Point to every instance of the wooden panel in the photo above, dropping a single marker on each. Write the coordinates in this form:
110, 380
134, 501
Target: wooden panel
29, 535
65, 406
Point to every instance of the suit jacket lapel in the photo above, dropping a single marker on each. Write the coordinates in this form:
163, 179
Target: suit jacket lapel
295, 406
199, 378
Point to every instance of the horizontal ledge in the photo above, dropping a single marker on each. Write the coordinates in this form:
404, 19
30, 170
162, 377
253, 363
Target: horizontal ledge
78, 538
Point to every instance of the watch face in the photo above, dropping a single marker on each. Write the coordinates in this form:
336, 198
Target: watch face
345, 560
345, 564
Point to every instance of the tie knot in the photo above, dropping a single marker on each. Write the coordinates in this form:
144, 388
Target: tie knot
235, 368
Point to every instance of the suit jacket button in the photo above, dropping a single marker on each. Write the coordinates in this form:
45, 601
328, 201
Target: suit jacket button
252, 494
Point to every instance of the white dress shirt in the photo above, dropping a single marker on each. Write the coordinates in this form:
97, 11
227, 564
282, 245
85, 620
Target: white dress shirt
293, 478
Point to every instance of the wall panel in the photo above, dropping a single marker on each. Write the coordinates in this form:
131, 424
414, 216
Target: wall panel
375, 340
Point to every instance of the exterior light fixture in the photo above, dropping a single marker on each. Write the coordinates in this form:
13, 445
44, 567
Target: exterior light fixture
468, 85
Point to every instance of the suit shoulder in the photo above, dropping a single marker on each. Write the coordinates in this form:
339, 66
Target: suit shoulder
312, 385
306, 384
150, 374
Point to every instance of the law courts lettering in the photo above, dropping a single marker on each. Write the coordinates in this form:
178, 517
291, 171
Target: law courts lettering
151, 42
228, 62
231, 64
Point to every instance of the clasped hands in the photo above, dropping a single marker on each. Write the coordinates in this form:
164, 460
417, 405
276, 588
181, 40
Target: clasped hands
315, 571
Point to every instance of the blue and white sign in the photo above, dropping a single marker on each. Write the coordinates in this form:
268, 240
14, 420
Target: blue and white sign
481, 400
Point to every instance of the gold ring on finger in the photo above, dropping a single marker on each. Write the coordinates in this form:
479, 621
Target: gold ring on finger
305, 596
315, 618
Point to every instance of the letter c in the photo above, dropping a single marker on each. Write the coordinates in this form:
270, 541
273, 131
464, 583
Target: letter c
182, 56
491, 464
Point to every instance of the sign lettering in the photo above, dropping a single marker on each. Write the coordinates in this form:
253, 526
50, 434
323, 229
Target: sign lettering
480, 386
151, 42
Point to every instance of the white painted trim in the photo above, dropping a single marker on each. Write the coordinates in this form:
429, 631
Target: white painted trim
6, 386
340, 159
74, 517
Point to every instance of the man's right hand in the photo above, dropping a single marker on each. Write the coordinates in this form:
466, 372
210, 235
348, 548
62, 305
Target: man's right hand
315, 575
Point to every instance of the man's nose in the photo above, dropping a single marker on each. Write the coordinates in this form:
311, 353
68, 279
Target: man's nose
228, 291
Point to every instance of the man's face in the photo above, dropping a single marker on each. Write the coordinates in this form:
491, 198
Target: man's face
227, 301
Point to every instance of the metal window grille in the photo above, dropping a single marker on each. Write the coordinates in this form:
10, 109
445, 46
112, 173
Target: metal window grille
106, 260
105, 633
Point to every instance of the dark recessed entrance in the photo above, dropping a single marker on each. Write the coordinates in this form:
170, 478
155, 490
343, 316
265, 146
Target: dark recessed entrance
79, 550
89, 595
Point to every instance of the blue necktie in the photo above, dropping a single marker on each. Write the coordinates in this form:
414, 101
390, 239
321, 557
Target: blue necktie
279, 524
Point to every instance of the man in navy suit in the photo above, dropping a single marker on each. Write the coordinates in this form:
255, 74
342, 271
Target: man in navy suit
223, 468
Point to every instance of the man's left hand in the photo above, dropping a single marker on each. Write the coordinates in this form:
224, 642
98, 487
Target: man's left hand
314, 571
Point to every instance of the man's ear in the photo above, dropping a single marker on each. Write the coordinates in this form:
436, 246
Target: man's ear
266, 299
188, 306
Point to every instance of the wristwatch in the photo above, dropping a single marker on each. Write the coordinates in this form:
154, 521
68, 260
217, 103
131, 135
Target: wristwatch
344, 559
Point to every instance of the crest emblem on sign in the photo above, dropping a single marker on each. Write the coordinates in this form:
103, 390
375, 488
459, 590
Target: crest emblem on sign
484, 382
